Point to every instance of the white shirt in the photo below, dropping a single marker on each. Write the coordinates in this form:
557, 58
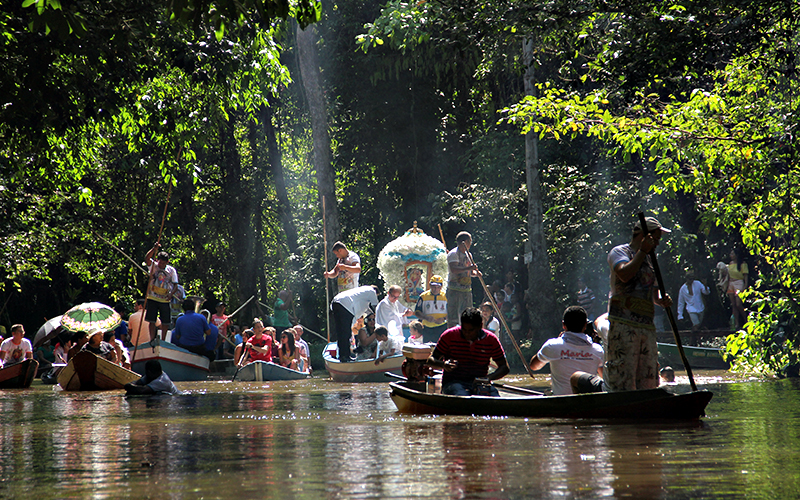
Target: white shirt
390, 315
13, 353
493, 325
357, 300
694, 302
567, 354
389, 344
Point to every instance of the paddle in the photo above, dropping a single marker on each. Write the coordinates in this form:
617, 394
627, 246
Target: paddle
240, 365
506, 387
671, 318
502, 320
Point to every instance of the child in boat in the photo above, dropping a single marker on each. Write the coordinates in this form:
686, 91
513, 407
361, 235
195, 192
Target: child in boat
489, 321
289, 355
387, 345
415, 327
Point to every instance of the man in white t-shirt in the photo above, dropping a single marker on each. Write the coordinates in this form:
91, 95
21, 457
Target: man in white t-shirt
388, 345
571, 352
347, 268
390, 312
17, 348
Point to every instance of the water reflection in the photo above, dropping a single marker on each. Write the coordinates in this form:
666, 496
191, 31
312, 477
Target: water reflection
318, 439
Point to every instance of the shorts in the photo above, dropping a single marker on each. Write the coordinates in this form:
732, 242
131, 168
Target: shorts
697, 318
735, 287
631, 358
457, 302
588, 383
156, 309
462, 388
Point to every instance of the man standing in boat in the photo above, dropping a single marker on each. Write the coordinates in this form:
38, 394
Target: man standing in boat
459, 281
431, 308
631, 352
464, 352
160, 289
346, 307
572, 352
347, 268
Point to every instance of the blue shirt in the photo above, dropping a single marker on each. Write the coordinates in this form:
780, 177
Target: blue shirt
211, 340
190, 329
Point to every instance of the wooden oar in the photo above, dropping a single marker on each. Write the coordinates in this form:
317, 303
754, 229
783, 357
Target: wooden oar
241, 363
671, 318
510, 388
503, 320
144, 308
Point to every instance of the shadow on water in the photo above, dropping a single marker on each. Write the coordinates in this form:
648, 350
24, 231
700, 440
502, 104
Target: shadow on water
319, 439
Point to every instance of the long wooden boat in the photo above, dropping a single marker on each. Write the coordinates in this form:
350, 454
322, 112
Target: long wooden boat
362, 370
180, 364
88, 372
645, 404
709, 358
19, 375
259, 371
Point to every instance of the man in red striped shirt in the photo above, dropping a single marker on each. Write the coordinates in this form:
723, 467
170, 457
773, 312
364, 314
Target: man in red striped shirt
464, 353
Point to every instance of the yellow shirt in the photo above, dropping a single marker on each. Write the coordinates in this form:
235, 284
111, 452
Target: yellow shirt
737, 272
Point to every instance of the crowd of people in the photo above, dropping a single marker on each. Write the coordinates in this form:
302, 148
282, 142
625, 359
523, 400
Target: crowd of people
467, 339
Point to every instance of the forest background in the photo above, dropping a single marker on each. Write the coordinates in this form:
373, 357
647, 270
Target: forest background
542, 127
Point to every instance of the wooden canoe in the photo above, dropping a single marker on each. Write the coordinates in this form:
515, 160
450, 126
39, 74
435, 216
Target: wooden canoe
19, 375
259, 371
89, 372
362, 370
709, 358
180, 364
645, 404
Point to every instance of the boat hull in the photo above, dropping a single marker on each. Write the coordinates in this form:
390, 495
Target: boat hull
360, 371
259, 371
19, 375
180, 364
645, 404
709, 358
89, 372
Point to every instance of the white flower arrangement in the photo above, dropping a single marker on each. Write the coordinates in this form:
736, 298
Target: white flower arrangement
414, 249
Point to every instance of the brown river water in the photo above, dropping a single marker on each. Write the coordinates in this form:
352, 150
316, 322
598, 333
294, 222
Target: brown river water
318, 439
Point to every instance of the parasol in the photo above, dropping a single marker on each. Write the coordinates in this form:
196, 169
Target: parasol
90, 316
47, 331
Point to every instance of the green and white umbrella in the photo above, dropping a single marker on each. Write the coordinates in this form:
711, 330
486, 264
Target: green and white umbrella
90, 316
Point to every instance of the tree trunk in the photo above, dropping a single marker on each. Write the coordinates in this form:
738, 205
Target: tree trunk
312, 84
541, 303
241, 208
308, 314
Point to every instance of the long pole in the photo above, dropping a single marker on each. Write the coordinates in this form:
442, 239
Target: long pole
144, 308
325, 257
671, 318
503, 320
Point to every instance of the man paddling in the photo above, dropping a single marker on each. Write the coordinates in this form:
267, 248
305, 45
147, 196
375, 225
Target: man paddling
464, 352
160, 290
346, 307
631, 352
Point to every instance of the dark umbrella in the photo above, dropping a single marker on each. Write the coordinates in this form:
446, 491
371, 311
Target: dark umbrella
47, 331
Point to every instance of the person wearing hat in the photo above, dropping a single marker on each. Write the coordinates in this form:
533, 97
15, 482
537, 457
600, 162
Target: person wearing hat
160, 289
459, 281
431, 309
631, 354
96, 345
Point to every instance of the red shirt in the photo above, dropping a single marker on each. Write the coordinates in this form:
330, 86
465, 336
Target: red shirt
473, 359
264, 341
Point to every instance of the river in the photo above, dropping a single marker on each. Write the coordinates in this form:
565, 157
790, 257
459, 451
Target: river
315, 439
